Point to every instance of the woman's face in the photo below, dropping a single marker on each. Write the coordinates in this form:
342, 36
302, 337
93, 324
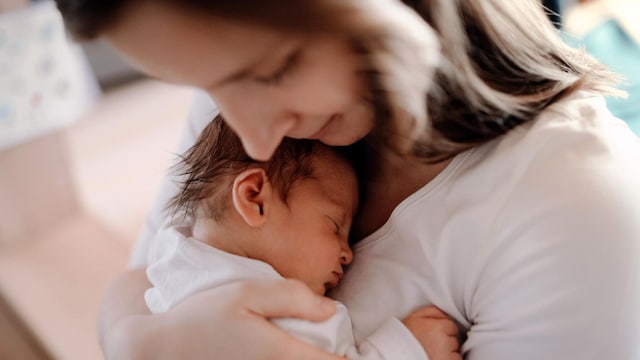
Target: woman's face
267, 84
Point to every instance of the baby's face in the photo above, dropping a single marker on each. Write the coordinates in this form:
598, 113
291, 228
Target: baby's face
310, 232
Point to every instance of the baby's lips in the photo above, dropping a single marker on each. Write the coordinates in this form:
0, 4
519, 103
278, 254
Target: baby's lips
337, 276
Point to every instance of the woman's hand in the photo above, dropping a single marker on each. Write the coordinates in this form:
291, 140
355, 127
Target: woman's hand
436, 332
229, 322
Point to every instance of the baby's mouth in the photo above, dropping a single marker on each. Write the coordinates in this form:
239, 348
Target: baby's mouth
335, 280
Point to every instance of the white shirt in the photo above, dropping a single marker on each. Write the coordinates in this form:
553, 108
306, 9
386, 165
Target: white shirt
181, 266
531, 242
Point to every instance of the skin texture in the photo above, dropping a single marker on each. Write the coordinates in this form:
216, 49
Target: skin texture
275, 85
304, 238
264, 96
317, 217
436, 332
503, 64
128, 332
244, 69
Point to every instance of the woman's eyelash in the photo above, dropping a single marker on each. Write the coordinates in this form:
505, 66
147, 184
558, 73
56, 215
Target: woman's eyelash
276, 78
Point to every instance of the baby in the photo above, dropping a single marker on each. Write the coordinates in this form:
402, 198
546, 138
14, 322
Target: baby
288, 217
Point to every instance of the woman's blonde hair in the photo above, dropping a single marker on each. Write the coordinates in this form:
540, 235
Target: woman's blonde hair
502, 62
445, 75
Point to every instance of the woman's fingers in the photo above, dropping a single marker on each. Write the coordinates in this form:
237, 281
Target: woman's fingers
294, 349
231, 321
284, 298
268, 342
289, 298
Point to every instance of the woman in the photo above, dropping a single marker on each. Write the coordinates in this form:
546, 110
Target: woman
497, 185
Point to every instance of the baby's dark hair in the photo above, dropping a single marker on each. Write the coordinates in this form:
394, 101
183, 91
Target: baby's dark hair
208, 168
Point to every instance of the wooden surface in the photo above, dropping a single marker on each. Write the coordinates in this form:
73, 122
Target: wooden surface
17, 342
54, 285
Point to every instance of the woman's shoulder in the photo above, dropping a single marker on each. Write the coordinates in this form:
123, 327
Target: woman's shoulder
555, 163
576, 133
575, 163
581, 112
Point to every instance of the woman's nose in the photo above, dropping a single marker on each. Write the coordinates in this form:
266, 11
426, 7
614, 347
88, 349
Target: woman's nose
260, 137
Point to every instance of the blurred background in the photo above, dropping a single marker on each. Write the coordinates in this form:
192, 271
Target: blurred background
85, 141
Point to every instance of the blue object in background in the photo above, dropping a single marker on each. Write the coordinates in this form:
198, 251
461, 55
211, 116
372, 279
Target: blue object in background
609, 43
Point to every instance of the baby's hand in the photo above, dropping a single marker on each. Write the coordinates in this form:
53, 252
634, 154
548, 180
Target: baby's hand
436, 333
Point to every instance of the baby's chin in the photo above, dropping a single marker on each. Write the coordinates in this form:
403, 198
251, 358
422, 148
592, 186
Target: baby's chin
320, 289
326, 288
323, 288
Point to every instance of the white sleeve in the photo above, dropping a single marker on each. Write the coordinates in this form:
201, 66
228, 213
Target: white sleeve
391, 341
564, 281
202, 111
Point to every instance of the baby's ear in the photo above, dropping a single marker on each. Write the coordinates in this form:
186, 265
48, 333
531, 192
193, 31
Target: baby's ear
252, 193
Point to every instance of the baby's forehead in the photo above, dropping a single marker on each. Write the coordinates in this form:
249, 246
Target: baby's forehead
335, 174
330, 162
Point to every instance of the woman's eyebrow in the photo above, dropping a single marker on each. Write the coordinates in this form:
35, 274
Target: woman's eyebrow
240, 74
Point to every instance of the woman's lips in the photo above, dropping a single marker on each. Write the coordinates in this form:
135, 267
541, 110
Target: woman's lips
324, 129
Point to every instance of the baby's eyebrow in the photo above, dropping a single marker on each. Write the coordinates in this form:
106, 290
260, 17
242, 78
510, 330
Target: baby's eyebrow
343, 217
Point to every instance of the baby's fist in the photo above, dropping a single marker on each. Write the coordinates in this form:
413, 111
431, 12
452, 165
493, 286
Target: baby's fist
436, 332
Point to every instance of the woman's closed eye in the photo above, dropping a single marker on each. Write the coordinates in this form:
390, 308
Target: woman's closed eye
287, 66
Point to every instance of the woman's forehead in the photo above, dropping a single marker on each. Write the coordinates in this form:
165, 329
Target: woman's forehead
196, 49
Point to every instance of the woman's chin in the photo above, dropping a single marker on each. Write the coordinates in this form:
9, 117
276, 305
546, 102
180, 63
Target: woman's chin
344, 137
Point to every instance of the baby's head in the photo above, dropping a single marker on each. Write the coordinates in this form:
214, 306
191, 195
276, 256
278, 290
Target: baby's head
293, 212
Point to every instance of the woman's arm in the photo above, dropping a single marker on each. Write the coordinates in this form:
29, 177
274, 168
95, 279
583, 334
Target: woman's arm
202, 111
122, 306
560, 278
229, 322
